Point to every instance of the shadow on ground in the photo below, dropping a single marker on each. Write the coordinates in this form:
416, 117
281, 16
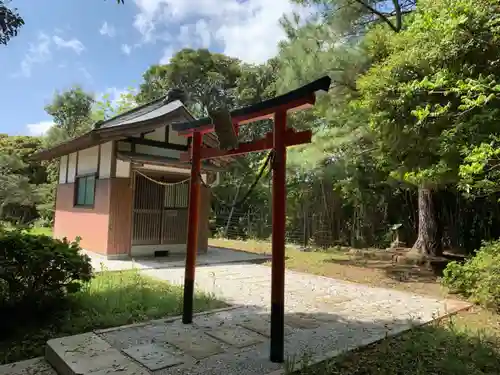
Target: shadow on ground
432, 349
309, 337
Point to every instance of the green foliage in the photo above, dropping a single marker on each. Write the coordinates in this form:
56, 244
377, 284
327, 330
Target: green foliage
110, 299
479, 173
105, 108
435, 92
209, 79
17, 195
353, 18
479, 277
37, 271
10, 22
71, 111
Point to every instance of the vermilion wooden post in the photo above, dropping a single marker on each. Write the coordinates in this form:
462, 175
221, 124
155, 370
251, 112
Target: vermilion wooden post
278, 239
193, 220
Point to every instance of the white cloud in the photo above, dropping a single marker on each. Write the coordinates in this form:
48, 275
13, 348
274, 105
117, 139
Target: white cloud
107, 29
73, 44
248, 29
39, 128
203, 30
85, 73
126, 49
38, 53
167, 55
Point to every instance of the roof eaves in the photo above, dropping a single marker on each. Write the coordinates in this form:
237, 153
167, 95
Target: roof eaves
105, 134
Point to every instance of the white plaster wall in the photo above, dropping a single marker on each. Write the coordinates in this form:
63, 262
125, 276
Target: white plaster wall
156, 135
150, 150
173, 137
87, 160
63, 165
122, 168
72, 167
105, 165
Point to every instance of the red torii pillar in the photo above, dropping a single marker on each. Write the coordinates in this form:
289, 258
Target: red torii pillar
193, 225
278, 140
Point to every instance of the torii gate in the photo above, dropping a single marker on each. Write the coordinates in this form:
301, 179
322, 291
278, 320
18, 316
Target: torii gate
278, 140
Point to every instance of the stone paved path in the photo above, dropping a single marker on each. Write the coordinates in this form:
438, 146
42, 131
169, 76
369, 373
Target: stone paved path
250, 285
324, 317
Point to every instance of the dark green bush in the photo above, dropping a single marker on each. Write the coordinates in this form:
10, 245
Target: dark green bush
37, 271
479, 277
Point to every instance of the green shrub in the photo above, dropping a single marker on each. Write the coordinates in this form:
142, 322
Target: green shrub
38, 270
479, 277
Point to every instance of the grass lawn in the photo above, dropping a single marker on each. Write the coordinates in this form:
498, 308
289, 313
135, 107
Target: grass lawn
41, 231
468, 343
110, 299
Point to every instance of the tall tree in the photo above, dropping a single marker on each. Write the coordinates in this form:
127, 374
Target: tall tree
433, 96
20, 178
352, 17
10, 22
209, 79
71, 111
16, 191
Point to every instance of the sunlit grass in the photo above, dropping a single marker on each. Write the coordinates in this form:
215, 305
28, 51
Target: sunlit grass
41, 231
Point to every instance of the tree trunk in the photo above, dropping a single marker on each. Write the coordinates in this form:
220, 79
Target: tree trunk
429, 240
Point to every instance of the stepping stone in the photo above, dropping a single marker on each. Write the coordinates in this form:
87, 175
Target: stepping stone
197, 345
297, 321
261, 326
153, 356
35, 366
236, 336
88, 354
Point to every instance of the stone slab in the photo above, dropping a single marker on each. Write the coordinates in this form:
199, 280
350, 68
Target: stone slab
325, 326
303, 322
262, 326
153, 356
236, 336
195, 344
88, 354
35, 366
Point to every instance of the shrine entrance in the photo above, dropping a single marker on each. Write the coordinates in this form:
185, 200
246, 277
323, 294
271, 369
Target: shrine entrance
226, 125
159, 213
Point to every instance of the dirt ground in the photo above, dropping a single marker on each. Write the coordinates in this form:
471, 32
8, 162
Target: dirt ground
371, 267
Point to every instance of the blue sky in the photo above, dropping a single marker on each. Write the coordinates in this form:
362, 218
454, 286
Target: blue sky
105, 47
